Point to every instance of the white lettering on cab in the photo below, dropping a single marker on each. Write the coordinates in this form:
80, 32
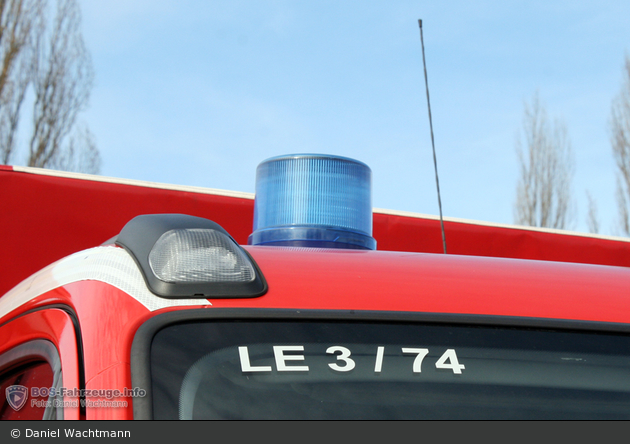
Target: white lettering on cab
284, 354
281, 358
344, 356
245, 364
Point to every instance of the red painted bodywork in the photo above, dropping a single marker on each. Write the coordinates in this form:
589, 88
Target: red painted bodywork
303, 279
53, 325
49, 217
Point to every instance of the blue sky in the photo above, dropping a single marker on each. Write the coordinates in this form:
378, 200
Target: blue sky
200, 92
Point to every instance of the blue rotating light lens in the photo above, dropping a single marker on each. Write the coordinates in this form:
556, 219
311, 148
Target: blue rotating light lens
313, 200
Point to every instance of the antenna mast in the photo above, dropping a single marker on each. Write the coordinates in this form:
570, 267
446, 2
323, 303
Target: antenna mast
437, 181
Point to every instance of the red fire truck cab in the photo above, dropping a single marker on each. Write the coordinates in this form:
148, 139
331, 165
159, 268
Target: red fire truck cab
162, 302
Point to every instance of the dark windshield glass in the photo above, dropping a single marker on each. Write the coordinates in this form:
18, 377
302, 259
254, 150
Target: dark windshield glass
343, 370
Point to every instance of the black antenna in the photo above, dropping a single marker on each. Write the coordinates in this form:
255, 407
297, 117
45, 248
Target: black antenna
437, 181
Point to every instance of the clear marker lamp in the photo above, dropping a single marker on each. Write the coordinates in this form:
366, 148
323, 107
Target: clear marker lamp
313, 200
183, 256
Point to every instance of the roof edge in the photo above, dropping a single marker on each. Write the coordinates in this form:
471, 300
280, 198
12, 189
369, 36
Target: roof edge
132, 182
500, 225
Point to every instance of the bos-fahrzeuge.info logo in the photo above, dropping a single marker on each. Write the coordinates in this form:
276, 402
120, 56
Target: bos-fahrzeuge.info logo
17, 396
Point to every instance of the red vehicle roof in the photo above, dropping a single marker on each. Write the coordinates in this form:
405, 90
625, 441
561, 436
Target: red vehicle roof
435, 283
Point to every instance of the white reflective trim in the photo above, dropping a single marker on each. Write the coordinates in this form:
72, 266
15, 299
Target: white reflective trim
132, 182
111, 265
499, 225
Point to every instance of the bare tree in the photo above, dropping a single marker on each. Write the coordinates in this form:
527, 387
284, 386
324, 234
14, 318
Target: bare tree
20, 20
79, 154
591, 220
620, 138
62, 80
543, 196
50, 57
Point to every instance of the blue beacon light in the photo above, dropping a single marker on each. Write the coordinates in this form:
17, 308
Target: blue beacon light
313, 200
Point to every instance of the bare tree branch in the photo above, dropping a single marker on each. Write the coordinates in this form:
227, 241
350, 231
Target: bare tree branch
620, 140
20, 20
592, 221
80, 154
49, 56
543, 194
62, 80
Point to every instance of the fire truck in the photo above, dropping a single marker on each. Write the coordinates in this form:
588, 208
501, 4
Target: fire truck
133, 300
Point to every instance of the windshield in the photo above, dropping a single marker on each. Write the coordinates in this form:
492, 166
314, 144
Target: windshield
386, 370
